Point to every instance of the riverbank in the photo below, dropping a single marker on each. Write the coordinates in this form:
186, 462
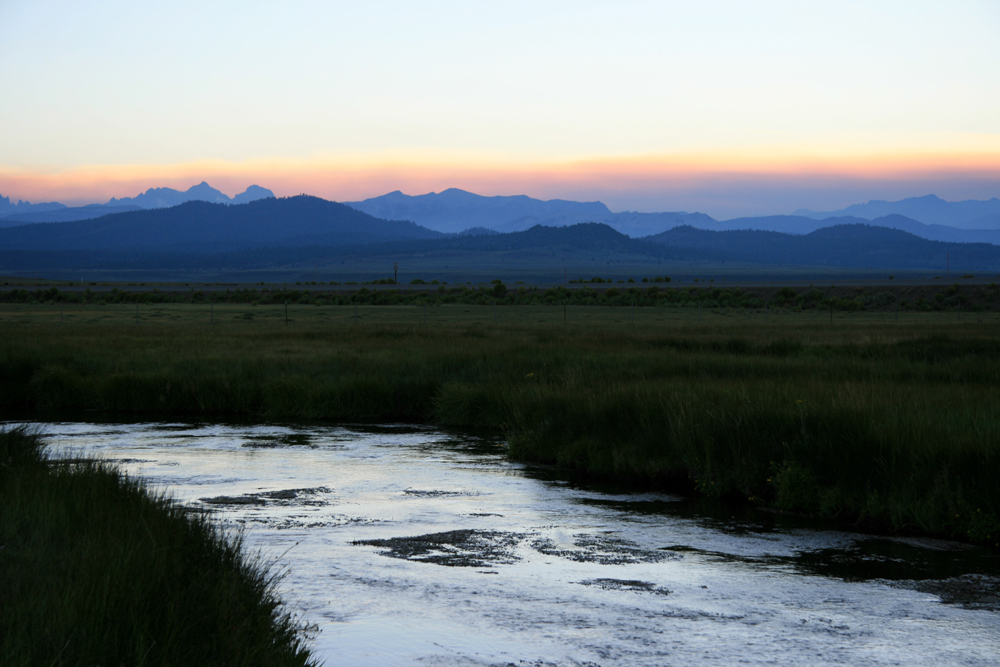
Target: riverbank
880, 419
95, 569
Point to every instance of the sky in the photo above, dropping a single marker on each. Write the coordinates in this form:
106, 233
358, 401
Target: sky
728, 108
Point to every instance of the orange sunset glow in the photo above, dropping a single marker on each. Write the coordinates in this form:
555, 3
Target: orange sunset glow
615, 180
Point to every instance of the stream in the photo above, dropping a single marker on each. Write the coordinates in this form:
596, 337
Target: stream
409, 545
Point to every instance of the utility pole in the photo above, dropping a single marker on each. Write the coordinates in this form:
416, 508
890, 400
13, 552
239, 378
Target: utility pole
395, 273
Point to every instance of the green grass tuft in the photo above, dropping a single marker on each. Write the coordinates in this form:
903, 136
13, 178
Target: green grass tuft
95, 569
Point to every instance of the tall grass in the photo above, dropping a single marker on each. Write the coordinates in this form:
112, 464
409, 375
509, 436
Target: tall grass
95, 569
892, 425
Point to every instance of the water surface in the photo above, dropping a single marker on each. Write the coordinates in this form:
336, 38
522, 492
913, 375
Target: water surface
416, 546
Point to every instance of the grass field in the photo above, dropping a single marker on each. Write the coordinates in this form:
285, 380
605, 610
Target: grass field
95, 569
882, 418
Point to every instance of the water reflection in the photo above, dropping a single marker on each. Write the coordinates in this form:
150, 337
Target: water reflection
418, 546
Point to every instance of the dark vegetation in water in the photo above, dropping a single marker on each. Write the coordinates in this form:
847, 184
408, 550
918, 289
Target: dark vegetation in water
887, 425
454, 548
95, 569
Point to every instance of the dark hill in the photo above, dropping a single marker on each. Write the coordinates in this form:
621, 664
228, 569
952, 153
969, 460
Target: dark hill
322, 235
590, 244
591, 239
851, 245
198, 226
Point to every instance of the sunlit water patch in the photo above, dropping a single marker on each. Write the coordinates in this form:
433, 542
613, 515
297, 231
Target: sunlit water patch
409, 545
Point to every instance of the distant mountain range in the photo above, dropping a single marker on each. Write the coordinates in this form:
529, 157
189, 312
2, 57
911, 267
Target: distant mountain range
26, 213
7, 207
167, 197
451, 211
308, 234
930, 209
455, 210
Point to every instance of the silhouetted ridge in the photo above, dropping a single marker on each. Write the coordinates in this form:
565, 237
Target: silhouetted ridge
198, 226
851, 245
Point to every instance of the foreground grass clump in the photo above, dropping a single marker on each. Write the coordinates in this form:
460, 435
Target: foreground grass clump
97, 570
865, 418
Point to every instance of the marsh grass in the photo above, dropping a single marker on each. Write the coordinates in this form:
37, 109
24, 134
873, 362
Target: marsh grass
890, 423
96, 569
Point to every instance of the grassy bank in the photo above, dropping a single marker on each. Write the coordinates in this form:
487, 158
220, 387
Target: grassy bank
97, 570
881, 418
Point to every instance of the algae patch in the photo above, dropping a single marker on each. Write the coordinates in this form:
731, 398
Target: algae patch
603, 550
280, 497
454, 548
633, 585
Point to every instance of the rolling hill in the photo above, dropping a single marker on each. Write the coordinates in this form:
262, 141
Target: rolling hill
855, 245
198, 226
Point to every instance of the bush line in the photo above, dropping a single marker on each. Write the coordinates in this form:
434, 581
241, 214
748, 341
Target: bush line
975, 298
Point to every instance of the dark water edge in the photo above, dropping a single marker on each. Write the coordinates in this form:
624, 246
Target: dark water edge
958, 572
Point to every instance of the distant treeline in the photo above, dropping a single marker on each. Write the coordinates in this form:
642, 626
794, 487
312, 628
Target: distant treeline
975, 298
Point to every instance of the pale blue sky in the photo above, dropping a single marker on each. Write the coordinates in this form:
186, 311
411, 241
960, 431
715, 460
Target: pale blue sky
127, 83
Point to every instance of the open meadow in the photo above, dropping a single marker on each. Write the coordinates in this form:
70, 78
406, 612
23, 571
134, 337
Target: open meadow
885, 419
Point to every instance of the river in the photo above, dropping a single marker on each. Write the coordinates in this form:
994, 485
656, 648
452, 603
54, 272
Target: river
408, 545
